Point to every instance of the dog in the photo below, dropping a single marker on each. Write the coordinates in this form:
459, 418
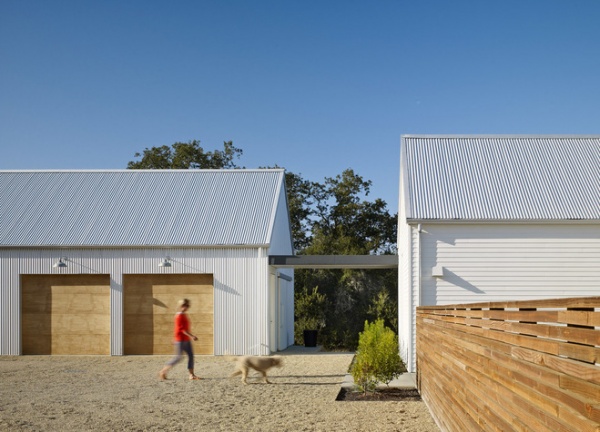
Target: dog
258, 363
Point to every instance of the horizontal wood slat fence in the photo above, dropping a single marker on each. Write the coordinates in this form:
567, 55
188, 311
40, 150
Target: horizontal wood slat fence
511, 366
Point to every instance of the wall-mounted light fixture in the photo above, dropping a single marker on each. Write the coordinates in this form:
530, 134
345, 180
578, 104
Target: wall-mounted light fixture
165, 262
437, 271
60, 263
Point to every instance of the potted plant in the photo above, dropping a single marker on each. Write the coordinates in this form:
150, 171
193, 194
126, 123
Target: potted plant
310, 315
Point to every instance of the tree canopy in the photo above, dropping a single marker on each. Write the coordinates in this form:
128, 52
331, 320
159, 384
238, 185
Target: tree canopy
186, 156
347, 223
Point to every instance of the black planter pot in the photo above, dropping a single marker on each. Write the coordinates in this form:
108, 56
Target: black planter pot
310, 338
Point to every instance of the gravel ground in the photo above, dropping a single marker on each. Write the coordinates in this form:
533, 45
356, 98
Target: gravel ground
102, 393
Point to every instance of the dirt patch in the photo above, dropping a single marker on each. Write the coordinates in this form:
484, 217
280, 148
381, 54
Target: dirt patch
384, 395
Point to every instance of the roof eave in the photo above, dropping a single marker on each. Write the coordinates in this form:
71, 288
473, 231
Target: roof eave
120, 246
415, 221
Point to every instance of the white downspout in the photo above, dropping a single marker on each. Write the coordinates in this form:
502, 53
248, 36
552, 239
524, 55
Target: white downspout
418, 298
419, 264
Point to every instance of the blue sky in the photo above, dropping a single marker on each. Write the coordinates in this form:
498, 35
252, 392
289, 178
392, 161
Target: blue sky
312, 86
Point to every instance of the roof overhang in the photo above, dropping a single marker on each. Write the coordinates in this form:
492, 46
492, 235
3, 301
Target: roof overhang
412, 221
335, 261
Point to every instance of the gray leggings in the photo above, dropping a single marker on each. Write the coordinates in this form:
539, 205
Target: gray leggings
180, 348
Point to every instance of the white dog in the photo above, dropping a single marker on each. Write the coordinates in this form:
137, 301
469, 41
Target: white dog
259, 364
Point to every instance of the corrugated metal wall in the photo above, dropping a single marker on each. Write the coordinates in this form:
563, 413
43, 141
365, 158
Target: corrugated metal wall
240, 283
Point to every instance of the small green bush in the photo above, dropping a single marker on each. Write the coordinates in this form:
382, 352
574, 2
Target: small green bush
377, 358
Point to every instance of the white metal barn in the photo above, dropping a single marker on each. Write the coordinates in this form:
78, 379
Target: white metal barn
93, 262
496, 218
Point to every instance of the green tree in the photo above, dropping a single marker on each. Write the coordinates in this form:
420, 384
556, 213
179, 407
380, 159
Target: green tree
344, 222
299, 197
186, 156
300, 200
347, 223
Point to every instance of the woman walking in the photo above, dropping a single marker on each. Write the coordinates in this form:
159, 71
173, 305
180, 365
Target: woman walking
182, 342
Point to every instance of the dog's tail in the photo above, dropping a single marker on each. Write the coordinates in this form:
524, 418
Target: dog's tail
229, 357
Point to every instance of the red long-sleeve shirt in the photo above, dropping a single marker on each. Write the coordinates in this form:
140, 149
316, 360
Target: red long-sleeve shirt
182, 323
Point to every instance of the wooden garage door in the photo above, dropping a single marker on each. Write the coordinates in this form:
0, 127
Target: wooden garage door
150, 303
65, 314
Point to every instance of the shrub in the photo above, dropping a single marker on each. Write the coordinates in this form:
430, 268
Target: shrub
377, 358
310, 312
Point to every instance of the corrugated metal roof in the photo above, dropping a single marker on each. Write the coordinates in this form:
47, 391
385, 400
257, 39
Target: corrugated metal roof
501, 177
138, 207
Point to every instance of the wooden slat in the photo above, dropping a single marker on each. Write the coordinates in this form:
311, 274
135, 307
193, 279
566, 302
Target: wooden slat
507, 366
507, 321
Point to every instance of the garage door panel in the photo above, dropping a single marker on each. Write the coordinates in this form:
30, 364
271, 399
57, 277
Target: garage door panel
147, 323
88, 324
35, 303
161, 348
167, 303
93, 324
36, 324
164, 304
65, 314
142, 324
80, 303
205, 304
163, 320
183, 289
141, 345
88, 345
204, 346
78, 289
39, 345
204, 334
138, 283
150, 305
202, 321
140, 303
